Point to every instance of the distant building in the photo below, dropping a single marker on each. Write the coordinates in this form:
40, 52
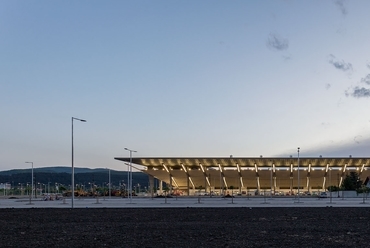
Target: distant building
5, 186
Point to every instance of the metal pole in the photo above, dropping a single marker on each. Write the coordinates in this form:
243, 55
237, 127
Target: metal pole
31, 177
73, 169
130, 176
128, 180
109, 183
220, 183
73, 172
271, 182
298, 174
330, 187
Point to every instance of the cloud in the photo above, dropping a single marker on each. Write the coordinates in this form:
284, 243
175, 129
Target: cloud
340, 5
277, 43
368, 65
340, 65
338, 149
357, 139
355, 149
327, 86
366, 79
358, 92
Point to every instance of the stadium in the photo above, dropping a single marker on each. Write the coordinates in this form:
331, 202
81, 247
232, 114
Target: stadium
249, 175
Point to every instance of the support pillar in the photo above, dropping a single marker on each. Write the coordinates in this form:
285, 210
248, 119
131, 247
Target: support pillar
170, 188
308, 184
161, 187
291, 185
240, 186
205, 184
187, 185
258, 185
151, 185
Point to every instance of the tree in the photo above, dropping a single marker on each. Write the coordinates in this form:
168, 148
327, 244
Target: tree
351, 181
333, 188
62, 188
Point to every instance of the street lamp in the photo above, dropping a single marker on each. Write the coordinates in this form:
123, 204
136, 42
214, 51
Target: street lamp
130, 177
32, 178
40, 187
73, 169
109, 187
298, 175
21, 184
271, 180
330, 187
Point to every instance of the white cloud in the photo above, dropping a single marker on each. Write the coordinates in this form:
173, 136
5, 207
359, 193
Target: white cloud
278, 43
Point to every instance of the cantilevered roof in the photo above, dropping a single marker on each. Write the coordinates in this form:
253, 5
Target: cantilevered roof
248, 161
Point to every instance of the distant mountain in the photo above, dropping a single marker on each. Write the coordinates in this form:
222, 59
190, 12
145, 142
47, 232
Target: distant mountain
55, 169
62, 175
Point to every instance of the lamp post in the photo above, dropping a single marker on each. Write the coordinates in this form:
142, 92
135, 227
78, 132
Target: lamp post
130, 178
271, 182
73, 169
31, 179
330, 187
109, 187
338, 184
298, 175
21, 184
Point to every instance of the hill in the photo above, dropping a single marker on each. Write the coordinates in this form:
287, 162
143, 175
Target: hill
55, 169
61, 175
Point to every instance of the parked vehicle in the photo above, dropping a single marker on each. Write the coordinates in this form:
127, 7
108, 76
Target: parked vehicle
323, 195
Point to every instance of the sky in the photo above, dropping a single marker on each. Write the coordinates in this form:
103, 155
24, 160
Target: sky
182, 78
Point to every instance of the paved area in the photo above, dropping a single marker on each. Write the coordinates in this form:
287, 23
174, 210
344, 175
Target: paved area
187, 202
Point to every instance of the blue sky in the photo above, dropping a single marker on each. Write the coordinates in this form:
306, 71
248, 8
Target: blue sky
182, 78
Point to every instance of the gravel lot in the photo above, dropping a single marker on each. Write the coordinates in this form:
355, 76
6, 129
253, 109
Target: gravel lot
185, 227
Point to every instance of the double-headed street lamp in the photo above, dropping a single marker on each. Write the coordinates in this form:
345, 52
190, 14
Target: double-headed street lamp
73, 169
129, 176
31, 179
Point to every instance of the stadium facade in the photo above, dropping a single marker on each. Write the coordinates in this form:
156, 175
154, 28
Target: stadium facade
249, 174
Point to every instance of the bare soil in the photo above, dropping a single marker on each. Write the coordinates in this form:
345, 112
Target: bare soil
185, 227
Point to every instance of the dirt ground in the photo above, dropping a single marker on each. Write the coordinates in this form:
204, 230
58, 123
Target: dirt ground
185, 227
